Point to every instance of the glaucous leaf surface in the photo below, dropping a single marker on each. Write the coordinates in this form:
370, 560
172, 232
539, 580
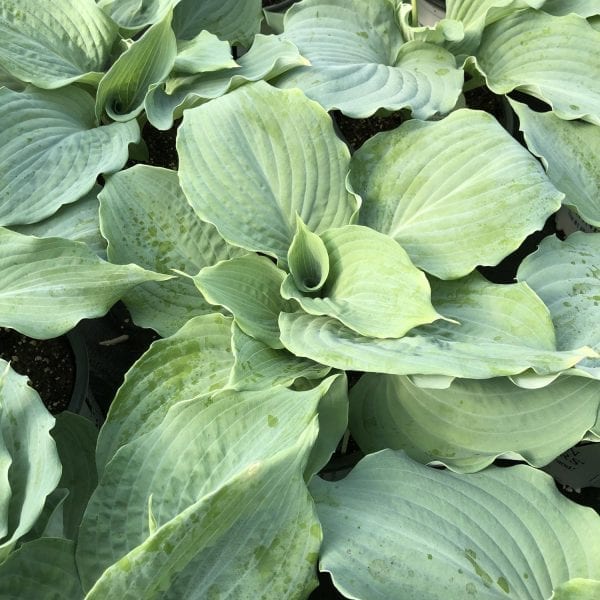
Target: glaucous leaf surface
147, 61
202, 54
135, 14
245, 166
584, 8
473, 422
577, 589
570, 151
201, 445
372, 287
248, 287
52, 45
48, 285
78, 221
194, 361
147, 221
44, 568
53, 153
566, 276
268, 57
515, 54
29, 462
360, 62
395, 528
430, 184
501, 330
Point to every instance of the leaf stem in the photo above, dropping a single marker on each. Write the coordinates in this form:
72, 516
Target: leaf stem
414, 14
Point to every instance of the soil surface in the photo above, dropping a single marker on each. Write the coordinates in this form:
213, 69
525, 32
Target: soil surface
49, 364
355, 132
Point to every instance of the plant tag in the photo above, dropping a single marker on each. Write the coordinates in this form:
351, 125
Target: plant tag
578, 467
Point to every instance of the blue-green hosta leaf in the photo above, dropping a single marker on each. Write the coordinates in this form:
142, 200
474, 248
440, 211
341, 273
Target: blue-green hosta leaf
397, 529
135, 14
584, 8
29, 463
471, 423
76, 221
268, 57
372, 286
41, 569
501, 330
237, 21
53, 152
256, 536
566, 276
258, 366
202, 446
194, 361
148, 61
360, 63
48, 285
203, 54
443, 30
577, 589
248, 287
245, 166
54, 44
464, 178
570, 151
147, 221
515, 54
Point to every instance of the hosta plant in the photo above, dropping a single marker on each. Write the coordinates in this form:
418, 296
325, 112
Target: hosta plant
277, 266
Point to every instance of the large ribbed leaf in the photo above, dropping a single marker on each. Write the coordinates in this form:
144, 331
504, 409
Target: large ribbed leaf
246, 167
29, 463
195, 361
52, 44
135, 14
147, 221
516, 53
585, 8
570, 151
237, 21
203, 446
202, 54
149, 60
464, 178
397, 529
360, 63
501, 330
566, 276
469, 424
372, 287
48, 285
248, 287
268, 57
53, 152
42, 569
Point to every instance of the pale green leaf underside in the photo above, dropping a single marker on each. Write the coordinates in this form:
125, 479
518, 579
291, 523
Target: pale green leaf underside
29, 463
268, 57
53, 152
147, 221
566, 276
501, 330
372, 287
76, 221
359, 63
245, 166
258, 366
547, 57
430, 184
256, 536
121, 92
237, 21
570, 151
397, 529
54, 44
577, 589
194, 361
471, 423
248, 287
44, 568
135, 14
200, 445
585, 8
205, 53
48, 285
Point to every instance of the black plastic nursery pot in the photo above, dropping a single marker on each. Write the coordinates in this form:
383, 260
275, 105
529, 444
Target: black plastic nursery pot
430, 11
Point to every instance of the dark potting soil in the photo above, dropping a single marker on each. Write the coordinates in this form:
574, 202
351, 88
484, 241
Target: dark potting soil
49, 364
161, 146
355, 132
